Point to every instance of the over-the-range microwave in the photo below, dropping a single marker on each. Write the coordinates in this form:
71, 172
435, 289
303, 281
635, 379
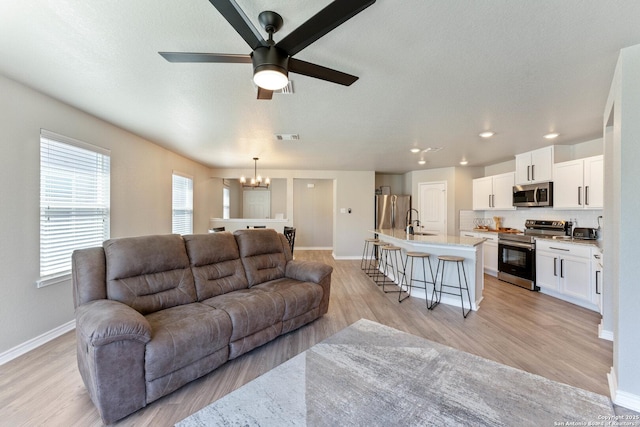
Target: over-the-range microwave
533, 195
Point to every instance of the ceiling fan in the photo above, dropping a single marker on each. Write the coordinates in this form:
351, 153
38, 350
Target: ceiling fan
273, 61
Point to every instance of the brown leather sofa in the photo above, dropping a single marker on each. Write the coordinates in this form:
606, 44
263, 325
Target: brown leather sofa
156, 312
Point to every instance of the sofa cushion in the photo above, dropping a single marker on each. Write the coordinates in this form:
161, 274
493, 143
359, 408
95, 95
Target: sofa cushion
262, 254
183, 335
149, 273
299, 297
250, 310
215, 263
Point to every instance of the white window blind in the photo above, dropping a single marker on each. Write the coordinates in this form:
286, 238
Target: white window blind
226, 203
74, 201
182, 204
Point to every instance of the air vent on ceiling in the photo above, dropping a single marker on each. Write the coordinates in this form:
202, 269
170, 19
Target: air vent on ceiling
287, 90
287, 136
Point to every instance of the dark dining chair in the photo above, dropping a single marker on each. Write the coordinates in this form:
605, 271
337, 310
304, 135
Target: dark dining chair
290, 234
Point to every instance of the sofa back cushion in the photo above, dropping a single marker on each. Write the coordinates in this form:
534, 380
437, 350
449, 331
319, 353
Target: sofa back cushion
149, 273
262, 254
215, 263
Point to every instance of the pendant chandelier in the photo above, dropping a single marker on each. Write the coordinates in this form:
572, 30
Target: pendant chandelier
256, 181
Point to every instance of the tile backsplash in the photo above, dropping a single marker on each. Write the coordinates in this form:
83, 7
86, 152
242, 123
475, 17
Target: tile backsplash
516, 218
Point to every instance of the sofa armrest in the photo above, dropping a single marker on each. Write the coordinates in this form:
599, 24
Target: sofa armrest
111, 339
102, 322
316, 272
307, 271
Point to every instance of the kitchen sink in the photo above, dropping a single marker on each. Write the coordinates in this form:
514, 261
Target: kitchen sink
424, 233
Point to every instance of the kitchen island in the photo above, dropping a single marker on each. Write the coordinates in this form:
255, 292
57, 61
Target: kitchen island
470, 248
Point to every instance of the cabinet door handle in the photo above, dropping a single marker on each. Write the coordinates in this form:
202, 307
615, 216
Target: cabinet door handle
533, 172
528, 173
489, 200
562, 268
586, 195
555, 268
597, 287
579, 194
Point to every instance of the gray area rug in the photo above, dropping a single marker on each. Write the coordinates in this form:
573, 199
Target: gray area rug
373, 375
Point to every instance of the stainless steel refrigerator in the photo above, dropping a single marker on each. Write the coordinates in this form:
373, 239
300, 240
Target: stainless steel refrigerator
391, 210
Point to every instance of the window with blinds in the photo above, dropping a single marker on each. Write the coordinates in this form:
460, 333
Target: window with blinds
74, 202
226, 203
182, 204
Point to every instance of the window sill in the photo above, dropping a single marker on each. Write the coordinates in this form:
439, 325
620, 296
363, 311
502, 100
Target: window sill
52, 280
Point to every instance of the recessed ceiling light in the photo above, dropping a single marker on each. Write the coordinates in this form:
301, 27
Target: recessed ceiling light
551, 135
464, 162
421, 162
415, 150
487, 134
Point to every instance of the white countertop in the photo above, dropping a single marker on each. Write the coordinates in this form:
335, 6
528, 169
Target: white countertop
418, 239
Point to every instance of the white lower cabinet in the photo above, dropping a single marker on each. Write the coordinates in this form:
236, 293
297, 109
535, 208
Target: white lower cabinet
489, 249
565, 271
596, 270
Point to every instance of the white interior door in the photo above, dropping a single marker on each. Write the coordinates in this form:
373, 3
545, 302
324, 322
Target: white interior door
433, 206
256, 204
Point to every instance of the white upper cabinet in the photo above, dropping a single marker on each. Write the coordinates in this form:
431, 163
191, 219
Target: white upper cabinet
537, 165
579, 184
493, 192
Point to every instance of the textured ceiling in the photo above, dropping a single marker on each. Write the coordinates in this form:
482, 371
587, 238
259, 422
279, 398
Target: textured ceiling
432, 74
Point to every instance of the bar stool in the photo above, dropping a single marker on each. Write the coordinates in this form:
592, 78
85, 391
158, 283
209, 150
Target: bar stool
394, 265
376, 263
421, 256
444, 259
368, 253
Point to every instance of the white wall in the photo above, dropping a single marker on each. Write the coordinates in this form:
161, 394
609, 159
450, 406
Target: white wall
313, 213
623, 225
140, 201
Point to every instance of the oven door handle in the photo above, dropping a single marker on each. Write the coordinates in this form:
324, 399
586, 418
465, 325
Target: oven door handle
517, 244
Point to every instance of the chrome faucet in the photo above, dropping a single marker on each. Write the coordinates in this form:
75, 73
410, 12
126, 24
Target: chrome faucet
409, 223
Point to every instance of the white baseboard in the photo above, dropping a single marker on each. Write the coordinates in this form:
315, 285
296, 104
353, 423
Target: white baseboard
347, 258
312, 248
622, 398
604, 334
36, 342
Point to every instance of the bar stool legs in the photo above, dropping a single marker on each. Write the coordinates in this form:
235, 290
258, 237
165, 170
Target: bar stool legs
393, 265
444, 259
422, 256
368, 255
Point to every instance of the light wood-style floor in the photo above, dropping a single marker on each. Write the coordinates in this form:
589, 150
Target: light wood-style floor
523, 329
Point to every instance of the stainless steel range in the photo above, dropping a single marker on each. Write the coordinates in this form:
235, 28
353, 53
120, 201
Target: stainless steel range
517, 252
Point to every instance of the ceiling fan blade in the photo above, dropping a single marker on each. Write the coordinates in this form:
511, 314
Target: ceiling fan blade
264, 93
327, 19
239, 21
205, 57
320, 72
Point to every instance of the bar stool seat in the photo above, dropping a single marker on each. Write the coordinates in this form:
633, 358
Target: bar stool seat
393, 265
421, 256
444, 259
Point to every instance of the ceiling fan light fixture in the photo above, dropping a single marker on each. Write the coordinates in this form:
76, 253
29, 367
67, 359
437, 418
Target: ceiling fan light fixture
270, 68
270, 79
